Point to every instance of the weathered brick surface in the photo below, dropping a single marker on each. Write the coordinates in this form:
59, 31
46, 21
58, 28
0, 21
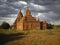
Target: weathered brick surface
27, 22
44, 25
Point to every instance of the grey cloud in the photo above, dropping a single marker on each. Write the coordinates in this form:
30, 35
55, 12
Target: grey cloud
42, 2
56, 12
52, 8
6, 10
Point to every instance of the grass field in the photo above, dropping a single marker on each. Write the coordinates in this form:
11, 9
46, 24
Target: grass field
31, 37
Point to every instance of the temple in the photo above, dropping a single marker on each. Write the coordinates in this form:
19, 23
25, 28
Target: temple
28, 22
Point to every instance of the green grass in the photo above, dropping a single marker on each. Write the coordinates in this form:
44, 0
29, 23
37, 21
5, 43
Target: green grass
11, 31
35, 37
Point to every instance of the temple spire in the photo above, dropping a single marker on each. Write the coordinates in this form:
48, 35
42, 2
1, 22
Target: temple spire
19, 16
27, 12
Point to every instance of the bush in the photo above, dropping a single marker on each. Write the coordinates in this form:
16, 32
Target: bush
49, 26
4, 25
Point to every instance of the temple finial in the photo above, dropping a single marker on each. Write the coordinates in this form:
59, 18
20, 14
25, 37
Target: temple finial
27, 12
27, 7
20, 9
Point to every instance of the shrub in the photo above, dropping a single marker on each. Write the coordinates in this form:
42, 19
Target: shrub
4, 25
49, 26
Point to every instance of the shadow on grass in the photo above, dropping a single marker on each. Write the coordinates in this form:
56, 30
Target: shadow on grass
4, 38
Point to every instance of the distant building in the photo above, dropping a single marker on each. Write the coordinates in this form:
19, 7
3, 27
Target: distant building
28, 22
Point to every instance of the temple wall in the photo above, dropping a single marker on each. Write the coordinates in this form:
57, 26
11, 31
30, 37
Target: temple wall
31, 25
44, 25
19, 26
36, 25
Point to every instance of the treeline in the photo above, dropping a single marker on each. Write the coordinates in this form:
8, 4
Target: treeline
6, 25
50, 26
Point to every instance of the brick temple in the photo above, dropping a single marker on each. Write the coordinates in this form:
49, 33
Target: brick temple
28, 22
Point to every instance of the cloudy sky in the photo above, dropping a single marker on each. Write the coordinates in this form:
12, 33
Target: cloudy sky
48, 10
